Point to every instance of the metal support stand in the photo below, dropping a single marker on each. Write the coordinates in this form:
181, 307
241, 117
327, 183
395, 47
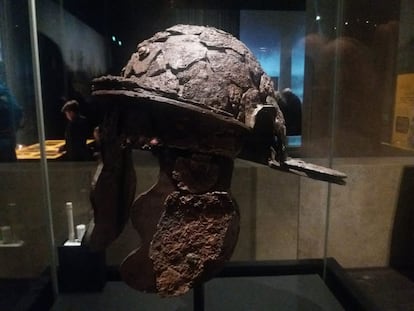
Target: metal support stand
198, 298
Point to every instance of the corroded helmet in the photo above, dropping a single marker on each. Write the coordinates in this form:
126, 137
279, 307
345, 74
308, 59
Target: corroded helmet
197, 96
200, 97
203, 70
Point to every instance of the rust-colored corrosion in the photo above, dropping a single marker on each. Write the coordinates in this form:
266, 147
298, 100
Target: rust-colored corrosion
197, 98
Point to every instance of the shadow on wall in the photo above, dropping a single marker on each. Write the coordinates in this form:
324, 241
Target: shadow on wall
59, 84
53, 86
402, 241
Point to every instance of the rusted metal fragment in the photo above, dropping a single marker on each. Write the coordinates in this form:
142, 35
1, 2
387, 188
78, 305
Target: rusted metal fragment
137, 268
305, 169
117, 173
195, 236
196, 175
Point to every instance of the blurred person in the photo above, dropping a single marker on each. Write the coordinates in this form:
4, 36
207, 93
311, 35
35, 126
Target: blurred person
76, 133
291, 107
95, 146
11, 119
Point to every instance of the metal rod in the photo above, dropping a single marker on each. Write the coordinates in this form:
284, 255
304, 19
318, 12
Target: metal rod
198, 298
339, 20
41, 136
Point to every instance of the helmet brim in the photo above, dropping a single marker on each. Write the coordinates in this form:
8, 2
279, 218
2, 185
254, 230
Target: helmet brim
116, 86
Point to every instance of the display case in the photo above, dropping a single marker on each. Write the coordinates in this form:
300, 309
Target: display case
304, 243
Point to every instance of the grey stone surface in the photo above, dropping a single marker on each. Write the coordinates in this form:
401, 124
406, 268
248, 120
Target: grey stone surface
282, 216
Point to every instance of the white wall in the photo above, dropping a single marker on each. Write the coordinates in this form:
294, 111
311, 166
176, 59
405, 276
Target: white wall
83, 49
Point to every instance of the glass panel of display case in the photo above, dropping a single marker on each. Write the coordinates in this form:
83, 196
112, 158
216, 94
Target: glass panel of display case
83, 48
26, 255
347, 62
370, 221
76, 47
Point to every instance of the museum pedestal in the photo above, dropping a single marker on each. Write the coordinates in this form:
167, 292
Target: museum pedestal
80, 270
